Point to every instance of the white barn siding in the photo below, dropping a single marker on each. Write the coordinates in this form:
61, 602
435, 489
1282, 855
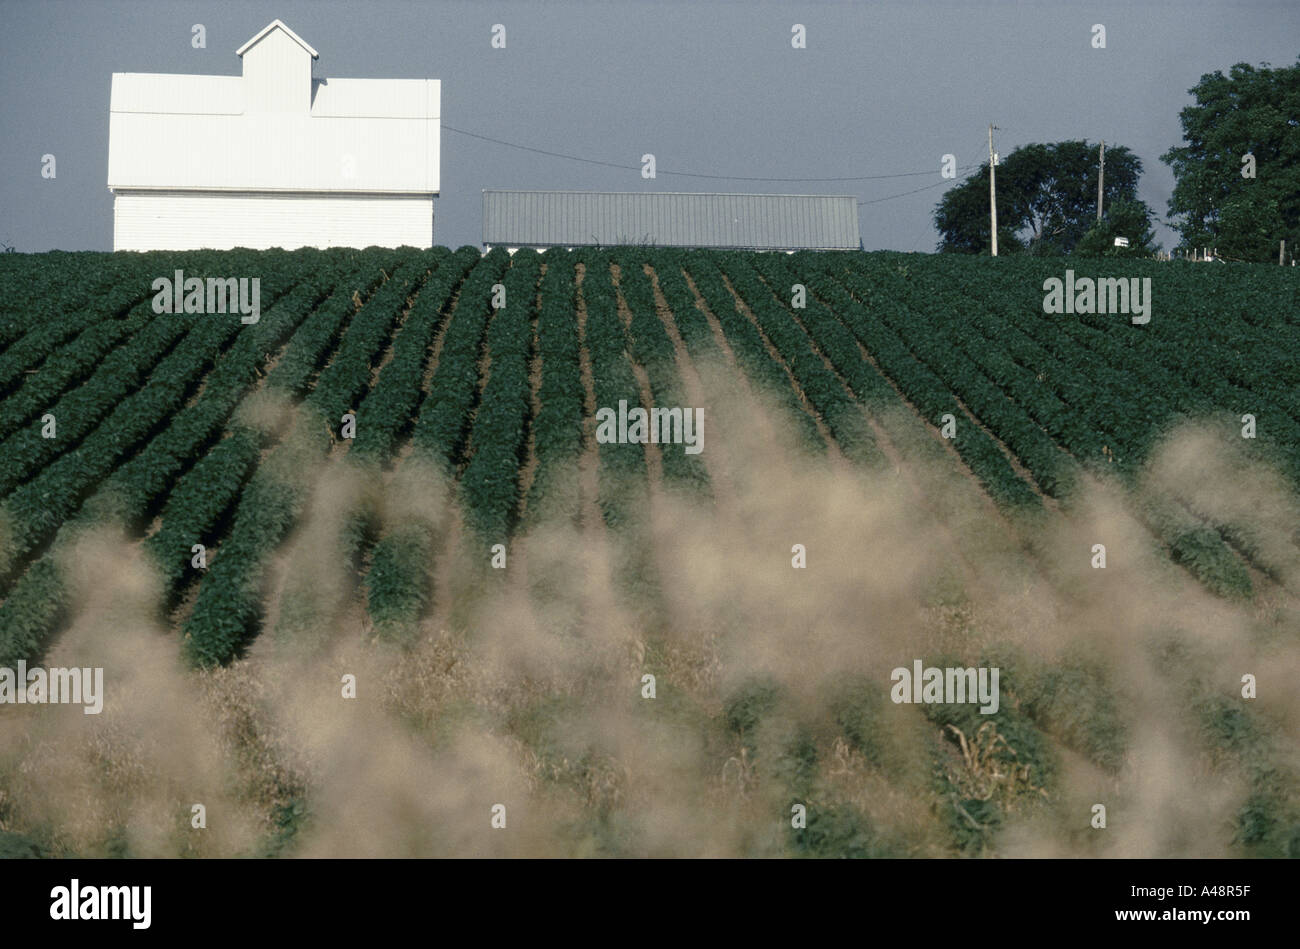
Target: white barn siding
264, 151
176, 93
272, 158
220, 220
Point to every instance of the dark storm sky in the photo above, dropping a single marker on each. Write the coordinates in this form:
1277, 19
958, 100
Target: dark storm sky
709, 87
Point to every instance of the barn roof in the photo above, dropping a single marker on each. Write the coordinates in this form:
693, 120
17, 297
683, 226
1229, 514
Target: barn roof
670, 219
276, 25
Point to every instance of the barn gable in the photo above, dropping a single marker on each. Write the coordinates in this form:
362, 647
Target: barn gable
277, 71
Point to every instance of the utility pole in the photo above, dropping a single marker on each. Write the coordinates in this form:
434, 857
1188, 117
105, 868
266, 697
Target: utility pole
993, 192
1101, 178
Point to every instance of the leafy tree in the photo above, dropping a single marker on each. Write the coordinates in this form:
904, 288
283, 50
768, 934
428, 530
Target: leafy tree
1124, 218
962, 218
1249, 111
1047, 199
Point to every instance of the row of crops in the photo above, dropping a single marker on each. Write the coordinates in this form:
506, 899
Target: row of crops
487, 369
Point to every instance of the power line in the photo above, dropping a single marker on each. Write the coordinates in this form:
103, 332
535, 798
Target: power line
683, 174
541, 151
904, 194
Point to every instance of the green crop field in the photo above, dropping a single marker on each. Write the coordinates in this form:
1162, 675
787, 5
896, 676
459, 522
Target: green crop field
394, 482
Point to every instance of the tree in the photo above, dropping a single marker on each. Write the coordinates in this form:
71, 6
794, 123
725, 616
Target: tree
1047, 199
962, 218
1124, 218
1253, 112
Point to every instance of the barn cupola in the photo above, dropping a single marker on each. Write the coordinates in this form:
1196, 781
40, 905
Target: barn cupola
277, 71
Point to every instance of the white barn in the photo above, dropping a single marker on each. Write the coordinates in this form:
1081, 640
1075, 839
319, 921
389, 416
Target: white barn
272, 158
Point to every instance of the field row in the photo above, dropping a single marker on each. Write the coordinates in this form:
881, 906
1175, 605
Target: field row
488, 369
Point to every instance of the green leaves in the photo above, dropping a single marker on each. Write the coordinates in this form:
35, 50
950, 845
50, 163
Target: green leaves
199, 501
650, 346
1122, 218
557, 427
347, 376
440, 431
147, 421
1047, 198
228, 609
931, 395
398, 583
1250, 110
749, 349
33, 608
489, 484
390, 408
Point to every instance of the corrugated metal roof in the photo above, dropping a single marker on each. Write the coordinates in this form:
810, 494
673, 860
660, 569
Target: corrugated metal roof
670, 219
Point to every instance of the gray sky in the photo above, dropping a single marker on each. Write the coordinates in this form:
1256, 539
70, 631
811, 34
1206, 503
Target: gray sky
709, 87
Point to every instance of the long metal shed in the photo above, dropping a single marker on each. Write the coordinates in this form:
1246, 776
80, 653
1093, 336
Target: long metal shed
670, 219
